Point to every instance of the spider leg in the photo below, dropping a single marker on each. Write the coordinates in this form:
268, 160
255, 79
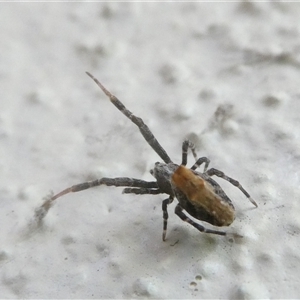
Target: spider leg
142, 191
119, 181
179, 212
144, 129
234, 182
185, 146
199, 162
165, 204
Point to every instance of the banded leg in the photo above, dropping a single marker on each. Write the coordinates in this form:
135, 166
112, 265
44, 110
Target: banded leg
144, 129
165, 204
41, 212
234, 182
185, 146
142, 191
199, 162
119, 181
179, 212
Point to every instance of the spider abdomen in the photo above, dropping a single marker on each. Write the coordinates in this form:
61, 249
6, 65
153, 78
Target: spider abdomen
199, 198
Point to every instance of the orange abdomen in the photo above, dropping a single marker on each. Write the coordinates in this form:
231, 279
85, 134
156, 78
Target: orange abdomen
202, 196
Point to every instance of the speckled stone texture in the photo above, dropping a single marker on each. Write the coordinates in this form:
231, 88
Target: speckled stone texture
225, 75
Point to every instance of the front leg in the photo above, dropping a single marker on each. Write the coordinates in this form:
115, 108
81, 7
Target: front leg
41, 212
144, 129
185, 146
119, 181
189, 145
142, 191
199, 162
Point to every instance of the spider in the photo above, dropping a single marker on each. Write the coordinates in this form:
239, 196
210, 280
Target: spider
197, 193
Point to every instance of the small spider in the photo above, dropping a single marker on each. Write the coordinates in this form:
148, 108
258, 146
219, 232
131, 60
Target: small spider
197, 193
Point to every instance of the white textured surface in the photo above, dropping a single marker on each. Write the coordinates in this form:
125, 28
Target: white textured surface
225, 75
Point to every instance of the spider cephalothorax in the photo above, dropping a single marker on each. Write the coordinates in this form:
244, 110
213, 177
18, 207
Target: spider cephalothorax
197, 193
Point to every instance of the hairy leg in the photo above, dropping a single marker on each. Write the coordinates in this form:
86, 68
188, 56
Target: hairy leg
234, 182
165, 204
144, 129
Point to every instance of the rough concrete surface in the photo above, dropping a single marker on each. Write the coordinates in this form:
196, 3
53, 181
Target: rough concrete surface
225, 75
